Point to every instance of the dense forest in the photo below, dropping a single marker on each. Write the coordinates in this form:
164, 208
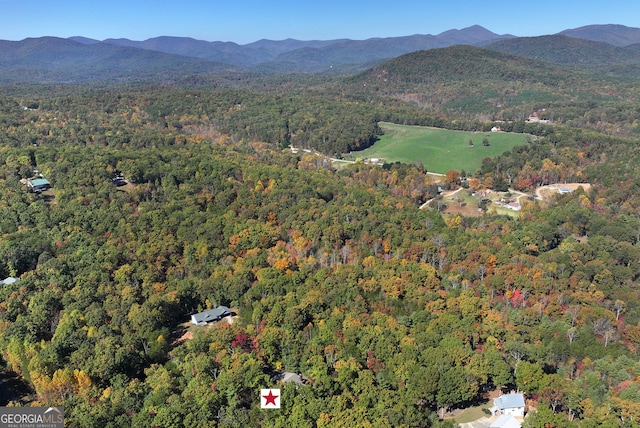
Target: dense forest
393, 315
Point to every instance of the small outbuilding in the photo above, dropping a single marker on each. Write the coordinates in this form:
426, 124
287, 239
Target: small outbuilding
119, 181
8, 281
38, 184
297, 378
210, 315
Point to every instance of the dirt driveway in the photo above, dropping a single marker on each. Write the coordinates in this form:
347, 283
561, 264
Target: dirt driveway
543, 191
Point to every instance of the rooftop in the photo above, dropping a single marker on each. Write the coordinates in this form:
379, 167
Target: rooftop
509, 401
506, 421
39, 182
210, 315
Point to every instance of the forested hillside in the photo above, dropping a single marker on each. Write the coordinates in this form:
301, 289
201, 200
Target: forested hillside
474, 83
560, 49
393, 316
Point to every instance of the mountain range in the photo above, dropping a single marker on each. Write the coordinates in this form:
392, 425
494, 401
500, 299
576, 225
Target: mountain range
79, 59
304, 56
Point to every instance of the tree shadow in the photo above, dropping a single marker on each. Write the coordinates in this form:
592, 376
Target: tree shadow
13, 388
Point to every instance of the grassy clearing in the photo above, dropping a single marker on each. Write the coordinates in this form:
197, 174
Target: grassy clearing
439, 150
471, 414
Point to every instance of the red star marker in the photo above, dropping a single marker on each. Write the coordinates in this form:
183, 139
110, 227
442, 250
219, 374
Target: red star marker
270, 398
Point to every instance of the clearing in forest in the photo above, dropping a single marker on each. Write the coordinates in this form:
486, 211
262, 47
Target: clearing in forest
439, 150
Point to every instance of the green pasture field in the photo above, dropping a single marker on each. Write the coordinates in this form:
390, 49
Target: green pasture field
439, 150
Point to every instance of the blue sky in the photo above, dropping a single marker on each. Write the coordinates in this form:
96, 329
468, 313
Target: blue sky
245, 21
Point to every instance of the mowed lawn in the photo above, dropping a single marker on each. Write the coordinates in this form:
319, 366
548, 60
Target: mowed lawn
439, 150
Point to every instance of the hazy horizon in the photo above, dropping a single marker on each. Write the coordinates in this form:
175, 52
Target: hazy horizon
248, 21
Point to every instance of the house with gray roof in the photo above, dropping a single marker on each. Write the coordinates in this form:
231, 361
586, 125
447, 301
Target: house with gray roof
509, 404
210, 315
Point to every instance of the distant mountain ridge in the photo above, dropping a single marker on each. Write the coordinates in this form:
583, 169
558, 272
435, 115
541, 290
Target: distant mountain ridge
306, 56
80, 59
56, 60
612, 34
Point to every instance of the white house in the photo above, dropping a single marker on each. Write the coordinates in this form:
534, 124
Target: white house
515, 206
509, 404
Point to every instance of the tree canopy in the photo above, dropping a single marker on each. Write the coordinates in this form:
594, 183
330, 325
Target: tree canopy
393, 314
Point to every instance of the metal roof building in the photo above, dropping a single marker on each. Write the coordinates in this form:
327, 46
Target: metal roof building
38, 184
211, 315
509, 404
